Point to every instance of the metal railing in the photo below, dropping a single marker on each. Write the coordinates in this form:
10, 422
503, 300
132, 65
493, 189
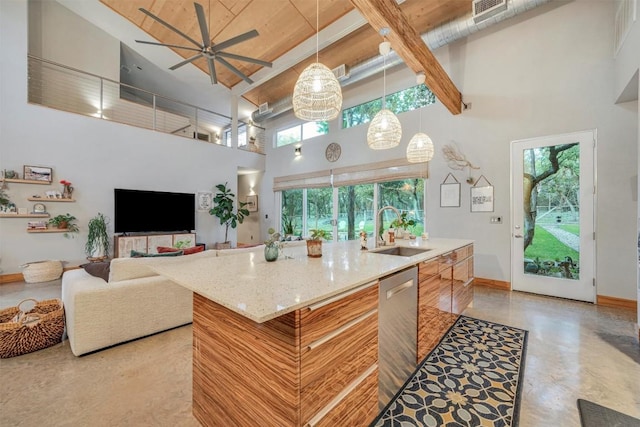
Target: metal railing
68, 89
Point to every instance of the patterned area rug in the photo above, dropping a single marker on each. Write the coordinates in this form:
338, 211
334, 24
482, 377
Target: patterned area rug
472, 378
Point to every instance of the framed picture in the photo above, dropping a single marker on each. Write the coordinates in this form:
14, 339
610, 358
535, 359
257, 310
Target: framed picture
204, 199
482, 197
252, 203
450, 192
38, 173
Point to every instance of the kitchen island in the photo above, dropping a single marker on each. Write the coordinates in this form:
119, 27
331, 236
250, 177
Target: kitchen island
295, 342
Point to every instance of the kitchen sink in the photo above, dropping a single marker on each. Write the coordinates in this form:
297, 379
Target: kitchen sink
401, 251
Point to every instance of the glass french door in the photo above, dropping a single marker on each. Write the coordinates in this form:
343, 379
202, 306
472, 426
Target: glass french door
355, 211
552, 211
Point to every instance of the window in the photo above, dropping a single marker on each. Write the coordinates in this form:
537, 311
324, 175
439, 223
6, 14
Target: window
242, 136
309, 208
405, 100
301, 132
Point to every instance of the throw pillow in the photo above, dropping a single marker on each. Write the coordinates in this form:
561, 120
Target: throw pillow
187, 251
98, 269
136, 254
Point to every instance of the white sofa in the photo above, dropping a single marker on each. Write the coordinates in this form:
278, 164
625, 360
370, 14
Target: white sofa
134, 303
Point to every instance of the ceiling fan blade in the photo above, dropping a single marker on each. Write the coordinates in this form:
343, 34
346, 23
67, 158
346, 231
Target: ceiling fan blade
244, 58
234, 70
170, 45
212, 71
169, 26
186, 61
202, 20
234, 40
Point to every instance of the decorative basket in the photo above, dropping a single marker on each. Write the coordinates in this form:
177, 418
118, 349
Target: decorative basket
24, 332
41, 271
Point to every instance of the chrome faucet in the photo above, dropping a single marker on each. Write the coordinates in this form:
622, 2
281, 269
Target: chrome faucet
379, 241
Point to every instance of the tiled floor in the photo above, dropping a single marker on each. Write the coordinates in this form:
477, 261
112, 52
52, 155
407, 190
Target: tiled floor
575, 350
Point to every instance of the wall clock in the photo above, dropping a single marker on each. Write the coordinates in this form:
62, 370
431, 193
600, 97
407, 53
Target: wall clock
333, 151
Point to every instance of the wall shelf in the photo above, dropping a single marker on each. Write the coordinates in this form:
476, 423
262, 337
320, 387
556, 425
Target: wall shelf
48, 230
3, 215
47, 200
25, 181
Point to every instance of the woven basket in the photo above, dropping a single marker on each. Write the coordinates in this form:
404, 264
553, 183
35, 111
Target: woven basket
24, 332
42, 271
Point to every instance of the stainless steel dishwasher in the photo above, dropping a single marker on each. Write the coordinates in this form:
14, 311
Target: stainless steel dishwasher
397, 331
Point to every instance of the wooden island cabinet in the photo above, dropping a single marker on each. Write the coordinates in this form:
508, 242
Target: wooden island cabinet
445, 289
315, 366
296, 342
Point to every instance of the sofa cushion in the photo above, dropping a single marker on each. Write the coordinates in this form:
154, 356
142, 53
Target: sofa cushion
98, 269
186, 251
136, 254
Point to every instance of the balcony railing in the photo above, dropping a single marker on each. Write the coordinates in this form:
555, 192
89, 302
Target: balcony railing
65, 88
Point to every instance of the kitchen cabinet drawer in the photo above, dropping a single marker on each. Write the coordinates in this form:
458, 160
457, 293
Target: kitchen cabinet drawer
463, 253
357, 406
427, 269
322, 318
329, 364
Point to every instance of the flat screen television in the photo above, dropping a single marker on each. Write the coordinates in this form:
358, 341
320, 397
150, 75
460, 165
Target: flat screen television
153, 211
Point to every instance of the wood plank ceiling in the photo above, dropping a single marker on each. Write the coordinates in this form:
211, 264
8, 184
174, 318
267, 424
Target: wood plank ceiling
282, 25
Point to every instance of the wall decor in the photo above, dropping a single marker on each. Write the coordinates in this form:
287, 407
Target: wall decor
38, 173
482, 196
450, 192
204, 200
252, 203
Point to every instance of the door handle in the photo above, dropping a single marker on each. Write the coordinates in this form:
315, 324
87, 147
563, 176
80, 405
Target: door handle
518, 236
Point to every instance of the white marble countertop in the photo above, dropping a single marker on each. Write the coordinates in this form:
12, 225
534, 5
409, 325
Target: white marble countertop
260, 290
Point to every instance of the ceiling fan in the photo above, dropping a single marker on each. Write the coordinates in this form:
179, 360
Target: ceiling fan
207, 49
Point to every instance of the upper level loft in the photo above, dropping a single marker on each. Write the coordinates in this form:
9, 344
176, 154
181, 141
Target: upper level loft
69, 89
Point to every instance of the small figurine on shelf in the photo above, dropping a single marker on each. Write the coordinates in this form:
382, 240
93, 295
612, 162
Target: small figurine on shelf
363, 240
67, 189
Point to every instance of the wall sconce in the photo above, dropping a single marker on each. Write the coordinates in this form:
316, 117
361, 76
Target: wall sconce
298, 151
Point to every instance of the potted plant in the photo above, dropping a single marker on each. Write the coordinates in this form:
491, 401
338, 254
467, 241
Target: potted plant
98, 242
65, 222
314, 242
403, 223
225, 210
288, 227
272, 248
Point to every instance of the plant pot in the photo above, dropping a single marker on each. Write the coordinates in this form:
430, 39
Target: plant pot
271, 252
62, 225
314, 248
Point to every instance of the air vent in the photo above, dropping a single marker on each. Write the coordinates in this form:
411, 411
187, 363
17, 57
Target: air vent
201, 136
263, 108
625, 16
485, 9
340, 72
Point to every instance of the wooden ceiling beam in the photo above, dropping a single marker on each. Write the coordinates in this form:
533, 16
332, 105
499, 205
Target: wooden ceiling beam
406, 41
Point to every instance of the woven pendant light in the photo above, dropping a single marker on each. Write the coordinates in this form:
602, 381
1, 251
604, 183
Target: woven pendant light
317, 95
384, 131
420, 148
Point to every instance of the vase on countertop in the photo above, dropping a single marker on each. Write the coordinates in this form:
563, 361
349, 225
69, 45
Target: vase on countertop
271, 251
67, 191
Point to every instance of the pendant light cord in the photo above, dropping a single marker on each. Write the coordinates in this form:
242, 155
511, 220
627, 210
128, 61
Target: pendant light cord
317, 28
384, 80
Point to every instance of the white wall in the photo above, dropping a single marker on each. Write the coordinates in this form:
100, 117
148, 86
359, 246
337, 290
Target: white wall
536, 75
97, 156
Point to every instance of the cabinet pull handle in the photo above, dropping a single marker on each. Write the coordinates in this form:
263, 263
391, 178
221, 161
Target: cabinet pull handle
341, 329
336, 400
394, 291
340, 296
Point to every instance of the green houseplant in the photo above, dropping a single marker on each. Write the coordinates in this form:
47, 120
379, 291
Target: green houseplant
288, 225
314, 242
403, 222
98, 242
65, 222
225, 210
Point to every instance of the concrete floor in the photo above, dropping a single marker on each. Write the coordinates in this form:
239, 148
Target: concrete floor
575, 350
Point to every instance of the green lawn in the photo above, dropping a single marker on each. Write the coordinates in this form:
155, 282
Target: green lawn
571, 228
546, 247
